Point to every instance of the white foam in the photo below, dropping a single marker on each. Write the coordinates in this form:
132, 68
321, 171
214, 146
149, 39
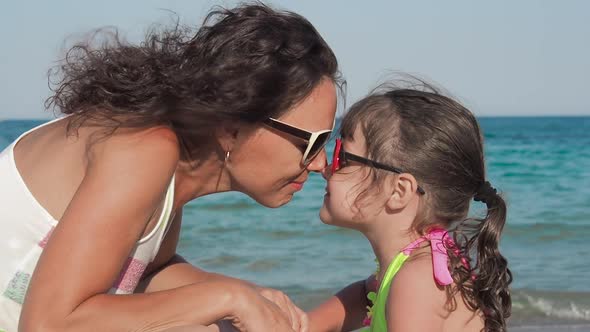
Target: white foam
551, 309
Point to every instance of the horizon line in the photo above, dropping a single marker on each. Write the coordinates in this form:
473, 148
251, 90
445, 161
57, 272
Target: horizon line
340, 116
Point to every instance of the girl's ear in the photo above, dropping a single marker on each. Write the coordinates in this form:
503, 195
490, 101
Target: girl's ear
403, 188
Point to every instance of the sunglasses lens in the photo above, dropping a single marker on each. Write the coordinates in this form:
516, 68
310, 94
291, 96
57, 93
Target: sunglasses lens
317, 146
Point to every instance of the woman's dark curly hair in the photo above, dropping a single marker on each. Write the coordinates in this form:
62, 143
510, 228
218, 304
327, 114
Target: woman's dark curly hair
243, 64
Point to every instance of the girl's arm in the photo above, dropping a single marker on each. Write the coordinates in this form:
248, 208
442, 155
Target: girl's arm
344, 311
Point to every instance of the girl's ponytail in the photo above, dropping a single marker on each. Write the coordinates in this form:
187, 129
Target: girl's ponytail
490, 285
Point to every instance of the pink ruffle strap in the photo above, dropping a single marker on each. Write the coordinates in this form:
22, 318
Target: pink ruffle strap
440, 259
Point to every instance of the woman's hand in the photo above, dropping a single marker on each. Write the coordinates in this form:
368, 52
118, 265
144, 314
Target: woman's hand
253, 312
297, 317
177, 272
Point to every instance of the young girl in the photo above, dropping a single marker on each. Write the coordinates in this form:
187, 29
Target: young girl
404, 173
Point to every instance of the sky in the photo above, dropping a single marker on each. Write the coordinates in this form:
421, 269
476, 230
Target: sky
503, 57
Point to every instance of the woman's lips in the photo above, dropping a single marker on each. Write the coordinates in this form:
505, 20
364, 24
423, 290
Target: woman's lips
297, 185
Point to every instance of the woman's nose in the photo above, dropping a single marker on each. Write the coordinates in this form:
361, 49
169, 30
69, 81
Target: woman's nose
319, 162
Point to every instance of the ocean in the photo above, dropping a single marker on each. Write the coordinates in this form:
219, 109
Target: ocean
542, 165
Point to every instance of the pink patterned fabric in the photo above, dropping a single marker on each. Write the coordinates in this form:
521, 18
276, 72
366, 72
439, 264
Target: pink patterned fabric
43, 242
130, 275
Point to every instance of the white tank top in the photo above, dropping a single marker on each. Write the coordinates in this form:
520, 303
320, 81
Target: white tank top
25, 228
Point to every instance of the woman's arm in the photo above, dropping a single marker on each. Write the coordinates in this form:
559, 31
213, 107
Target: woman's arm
344, 311
125, 181
171, 270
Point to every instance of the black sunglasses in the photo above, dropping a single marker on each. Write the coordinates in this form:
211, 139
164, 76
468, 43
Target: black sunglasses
341, 158
316, 140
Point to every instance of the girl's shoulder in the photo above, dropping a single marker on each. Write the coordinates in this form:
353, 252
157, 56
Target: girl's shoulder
417, 277
425, 305
415, 293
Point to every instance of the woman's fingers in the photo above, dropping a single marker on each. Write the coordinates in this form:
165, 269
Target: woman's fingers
256, 312
297, 317
303, 320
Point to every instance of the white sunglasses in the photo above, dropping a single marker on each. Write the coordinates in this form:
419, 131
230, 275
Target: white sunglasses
316, 140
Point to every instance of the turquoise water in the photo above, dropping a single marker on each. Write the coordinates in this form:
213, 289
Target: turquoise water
541, 164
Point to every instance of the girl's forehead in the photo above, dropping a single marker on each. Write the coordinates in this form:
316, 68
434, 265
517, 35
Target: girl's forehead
355, 144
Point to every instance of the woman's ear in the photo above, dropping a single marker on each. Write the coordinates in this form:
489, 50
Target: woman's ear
226, 135
403, 188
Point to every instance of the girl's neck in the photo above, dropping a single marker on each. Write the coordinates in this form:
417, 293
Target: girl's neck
388, 239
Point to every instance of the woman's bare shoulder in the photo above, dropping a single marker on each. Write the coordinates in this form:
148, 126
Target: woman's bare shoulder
132, 146
143, 159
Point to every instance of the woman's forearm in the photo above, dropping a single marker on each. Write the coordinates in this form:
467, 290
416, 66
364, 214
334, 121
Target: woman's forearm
177, 272
197, 304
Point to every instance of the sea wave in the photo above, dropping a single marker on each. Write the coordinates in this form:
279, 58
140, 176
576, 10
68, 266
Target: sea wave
538, 306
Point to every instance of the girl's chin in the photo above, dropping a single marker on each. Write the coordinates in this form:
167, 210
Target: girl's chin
325, 216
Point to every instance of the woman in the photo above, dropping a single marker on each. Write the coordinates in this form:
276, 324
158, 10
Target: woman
92, 203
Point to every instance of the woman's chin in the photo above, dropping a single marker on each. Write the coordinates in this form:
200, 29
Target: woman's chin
274, 201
